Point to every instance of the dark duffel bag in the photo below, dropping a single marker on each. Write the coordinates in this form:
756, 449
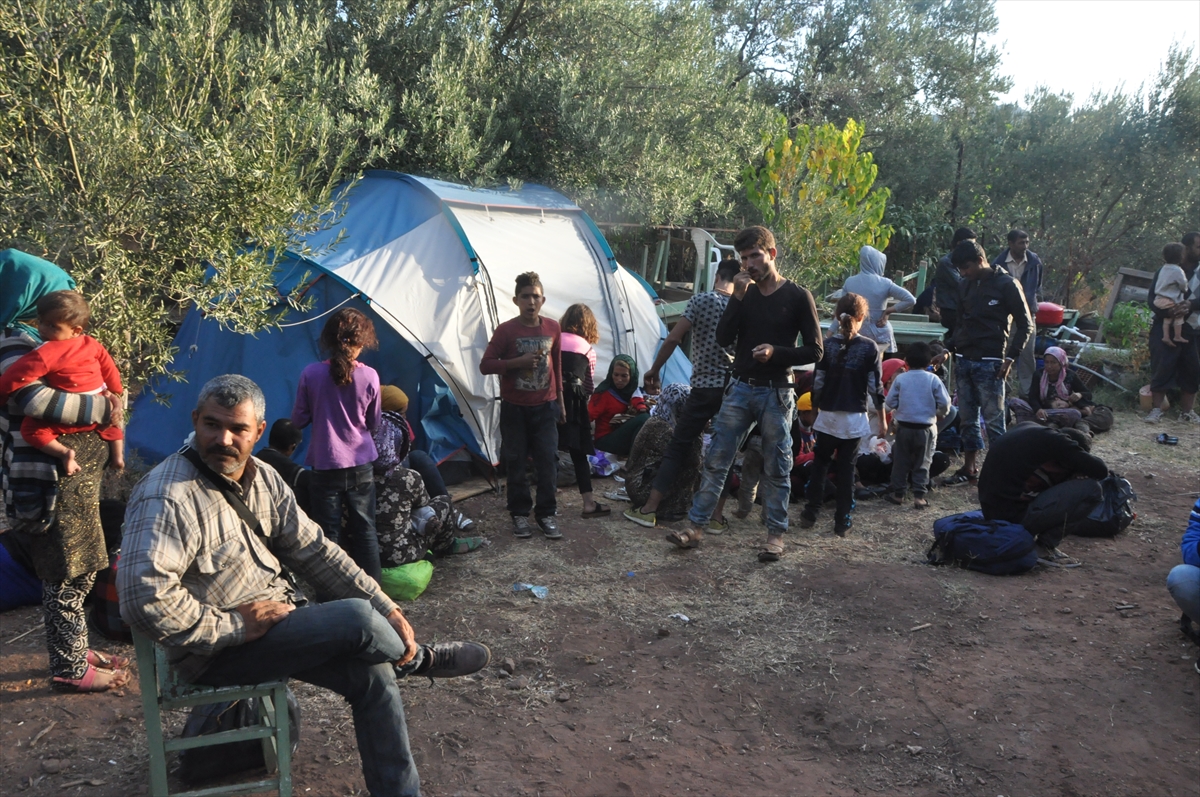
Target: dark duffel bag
201, 764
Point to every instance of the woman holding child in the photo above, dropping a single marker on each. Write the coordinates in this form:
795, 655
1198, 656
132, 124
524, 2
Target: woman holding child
55, 516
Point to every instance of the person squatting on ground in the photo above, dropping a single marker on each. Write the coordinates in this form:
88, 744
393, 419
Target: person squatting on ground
1026, 268
918, 399
70, 361
1057, 396
877, 289
1183, 581
579, 333
1018, 467
55, 520
526, 353
197, 579
1178, 363
989, 335
618, 407
340, 398
849, 375
763, 320
711, 365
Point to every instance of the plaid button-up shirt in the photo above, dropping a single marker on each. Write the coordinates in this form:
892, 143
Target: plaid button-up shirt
188, 560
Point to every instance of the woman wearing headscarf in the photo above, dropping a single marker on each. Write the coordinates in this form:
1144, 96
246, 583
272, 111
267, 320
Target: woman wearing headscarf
649, 448
55, 519
1057, 396
618, 398
870, 284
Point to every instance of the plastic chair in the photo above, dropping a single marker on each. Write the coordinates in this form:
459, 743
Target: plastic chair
161, 690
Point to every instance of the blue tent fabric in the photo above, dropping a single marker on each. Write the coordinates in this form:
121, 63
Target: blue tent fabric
375, 212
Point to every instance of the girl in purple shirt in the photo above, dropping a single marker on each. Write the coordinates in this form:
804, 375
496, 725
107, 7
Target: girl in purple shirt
340, 397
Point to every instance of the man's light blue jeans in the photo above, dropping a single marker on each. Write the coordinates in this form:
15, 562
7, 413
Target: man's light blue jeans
347, 647
1184, 584
980, 390
743, 405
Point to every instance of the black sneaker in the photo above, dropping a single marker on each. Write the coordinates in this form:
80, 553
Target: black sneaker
808, 519
521, 527
843, 525
453, 659
550, 528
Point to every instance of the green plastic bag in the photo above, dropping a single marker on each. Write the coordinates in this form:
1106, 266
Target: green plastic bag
406, 582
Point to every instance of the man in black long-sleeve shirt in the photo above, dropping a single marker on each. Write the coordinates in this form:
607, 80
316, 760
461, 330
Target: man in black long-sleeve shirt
1004, 489
764, 318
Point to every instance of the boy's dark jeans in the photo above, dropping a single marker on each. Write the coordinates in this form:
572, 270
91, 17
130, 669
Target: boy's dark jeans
530, 431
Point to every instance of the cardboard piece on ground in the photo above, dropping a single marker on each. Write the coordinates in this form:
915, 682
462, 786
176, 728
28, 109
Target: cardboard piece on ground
469, 488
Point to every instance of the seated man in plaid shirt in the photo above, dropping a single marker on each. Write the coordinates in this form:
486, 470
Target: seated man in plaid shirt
195, 577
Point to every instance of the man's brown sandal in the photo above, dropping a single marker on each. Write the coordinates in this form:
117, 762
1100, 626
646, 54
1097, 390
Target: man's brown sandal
683, 539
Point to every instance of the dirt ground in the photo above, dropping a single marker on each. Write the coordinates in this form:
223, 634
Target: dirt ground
850, 667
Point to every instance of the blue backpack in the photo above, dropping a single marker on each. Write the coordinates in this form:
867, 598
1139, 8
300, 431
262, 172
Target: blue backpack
996, 547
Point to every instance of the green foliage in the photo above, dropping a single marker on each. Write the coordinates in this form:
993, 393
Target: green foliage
1129, 325
815, 191
139, 152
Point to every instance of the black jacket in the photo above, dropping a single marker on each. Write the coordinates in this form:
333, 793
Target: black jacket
945, 284
297, 476
1015, 456
993, 318
848, 375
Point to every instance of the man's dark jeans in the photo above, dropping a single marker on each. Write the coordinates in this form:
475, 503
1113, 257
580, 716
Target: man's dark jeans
347, 647
702, 405
530, 431
354, 490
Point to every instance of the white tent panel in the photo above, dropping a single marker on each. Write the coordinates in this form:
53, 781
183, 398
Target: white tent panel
423, 285
554, 245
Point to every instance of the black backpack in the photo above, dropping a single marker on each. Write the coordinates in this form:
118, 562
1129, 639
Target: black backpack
1113, 513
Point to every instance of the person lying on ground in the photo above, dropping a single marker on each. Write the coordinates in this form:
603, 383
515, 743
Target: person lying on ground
1009, 478
194, 580
1057, 396
1183, 581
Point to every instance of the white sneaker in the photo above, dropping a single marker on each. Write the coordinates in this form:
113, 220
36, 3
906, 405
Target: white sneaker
1154, 416
1189, 417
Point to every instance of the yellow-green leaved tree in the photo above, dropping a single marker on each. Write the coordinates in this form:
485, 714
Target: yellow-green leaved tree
814, 190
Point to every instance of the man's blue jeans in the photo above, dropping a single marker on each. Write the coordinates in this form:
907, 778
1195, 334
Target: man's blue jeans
351, 490
347, 647
1184, 584
980, 390
742, 406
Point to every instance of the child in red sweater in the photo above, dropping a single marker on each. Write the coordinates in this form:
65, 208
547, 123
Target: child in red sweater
70, 361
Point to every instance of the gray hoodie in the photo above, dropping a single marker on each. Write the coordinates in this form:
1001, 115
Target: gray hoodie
870, 284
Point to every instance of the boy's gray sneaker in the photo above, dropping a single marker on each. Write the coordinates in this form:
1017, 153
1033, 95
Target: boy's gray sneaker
550, 528
521, 527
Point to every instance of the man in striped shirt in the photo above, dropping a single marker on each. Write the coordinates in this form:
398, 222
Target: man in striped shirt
195, 577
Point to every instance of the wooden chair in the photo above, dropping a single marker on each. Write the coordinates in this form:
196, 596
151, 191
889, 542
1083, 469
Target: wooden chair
161, 690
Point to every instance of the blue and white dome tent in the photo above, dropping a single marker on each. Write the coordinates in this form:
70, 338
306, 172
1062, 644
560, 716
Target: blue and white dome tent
433, 264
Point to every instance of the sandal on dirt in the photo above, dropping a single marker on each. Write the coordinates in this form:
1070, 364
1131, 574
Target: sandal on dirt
600, 511
771, 552
107, 661
683, 539
94, 680
893, 498
920, 503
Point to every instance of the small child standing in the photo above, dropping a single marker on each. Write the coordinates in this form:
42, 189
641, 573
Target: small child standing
526, 353
1170, 294
918, 399
849, 375
70, 361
